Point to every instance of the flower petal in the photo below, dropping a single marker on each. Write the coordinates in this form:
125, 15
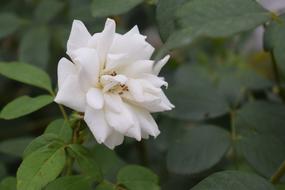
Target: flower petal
71, 95
115, 61
138, 68
158, 66
95, 98
147, 123
114, 140
64, 69
78, 38
95, 119
134, 45
117, 114
135, 130
88, 60
106, 39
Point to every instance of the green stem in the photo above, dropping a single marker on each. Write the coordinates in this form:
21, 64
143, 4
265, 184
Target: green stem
62, 110
277, 77
280, 172
70, 159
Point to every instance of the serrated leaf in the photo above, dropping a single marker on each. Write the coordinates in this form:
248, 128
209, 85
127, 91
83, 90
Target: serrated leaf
165, 15
195, 97
260, 128
60, 128
70, 183
9, 23
199, 148
233, 180
24, 105
222, 18
107, 159
42, 141
87, 163
137, 178
27, 74
47, 10
219, 18
34, 47
15, 147
102, 8
8, 183
41, 167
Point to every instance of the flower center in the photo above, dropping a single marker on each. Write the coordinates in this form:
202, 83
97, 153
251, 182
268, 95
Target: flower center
113, 82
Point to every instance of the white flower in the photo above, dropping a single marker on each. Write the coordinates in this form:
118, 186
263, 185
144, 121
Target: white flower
113, 81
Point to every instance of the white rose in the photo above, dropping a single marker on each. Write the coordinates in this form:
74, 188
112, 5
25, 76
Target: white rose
113, 81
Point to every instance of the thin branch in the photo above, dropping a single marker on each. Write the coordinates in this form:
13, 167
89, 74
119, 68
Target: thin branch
280, 172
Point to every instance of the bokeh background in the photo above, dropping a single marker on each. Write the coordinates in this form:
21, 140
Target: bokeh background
36, 32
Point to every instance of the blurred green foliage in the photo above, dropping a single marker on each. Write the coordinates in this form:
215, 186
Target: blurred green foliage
229, 114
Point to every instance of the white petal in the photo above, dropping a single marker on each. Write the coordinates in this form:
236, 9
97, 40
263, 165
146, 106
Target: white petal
88, 59
158, 66
156, 81
135, 130
95, 98
64, 69
95, 119
114, 140
163, 105
140, 94
138, 68
115, 61
117, 114
147, 123
134, 30
133, 45
71, 95
78, 38
106, 39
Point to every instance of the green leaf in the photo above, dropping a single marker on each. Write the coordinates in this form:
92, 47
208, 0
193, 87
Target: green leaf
199, 149
103, 8
137, 178
26, 73
86, 162
233, 180
107, 159
8, 183
222, 18
260, 128
34, 47
201, 100
47, 10
105, 186
274, 37
9, 23
41, 167
70, 183
24, 105
42, 141
165, 15
60, 128
15, 147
